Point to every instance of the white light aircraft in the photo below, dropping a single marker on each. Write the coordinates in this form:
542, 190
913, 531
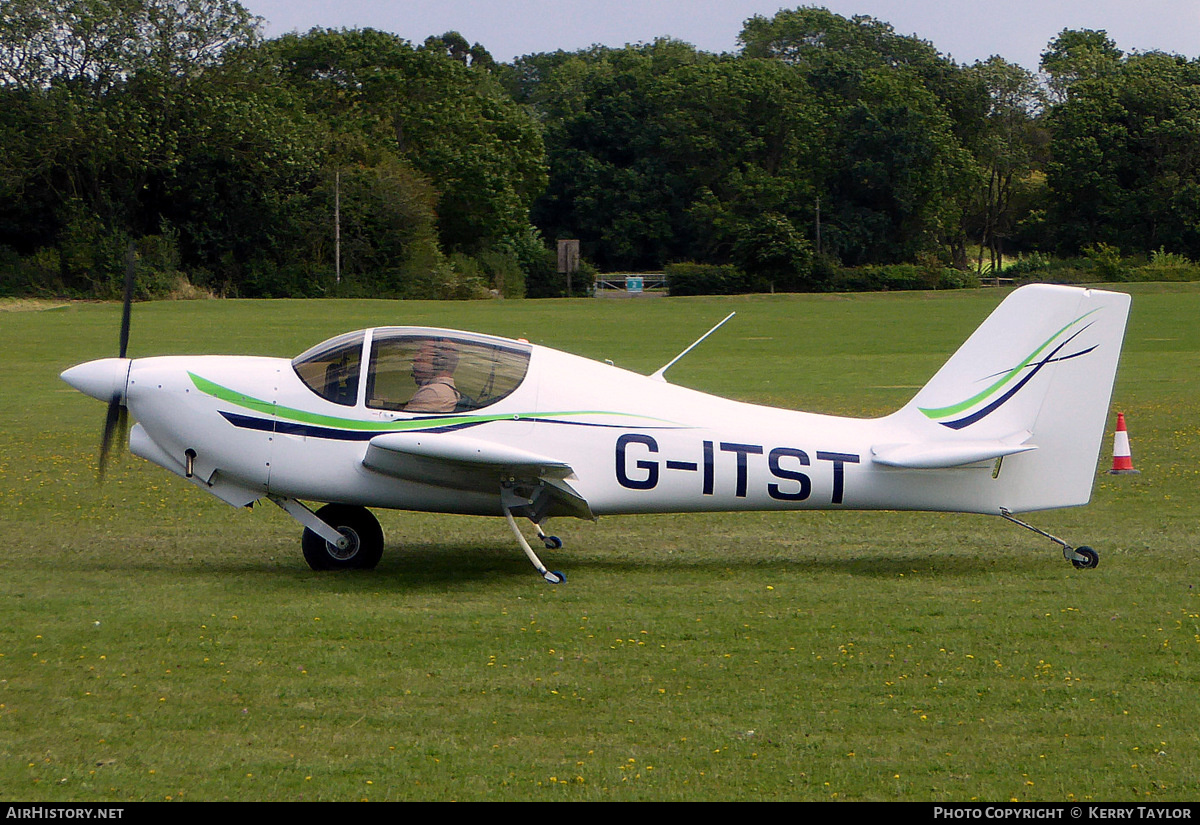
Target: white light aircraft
436, 420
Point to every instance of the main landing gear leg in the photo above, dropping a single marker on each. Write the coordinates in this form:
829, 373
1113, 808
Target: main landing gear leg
338, 536
1083, 558
509, 500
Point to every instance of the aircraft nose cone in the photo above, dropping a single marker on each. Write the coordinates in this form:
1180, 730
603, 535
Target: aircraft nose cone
103, 379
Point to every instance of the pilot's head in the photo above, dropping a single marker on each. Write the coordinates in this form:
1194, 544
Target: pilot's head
433, 359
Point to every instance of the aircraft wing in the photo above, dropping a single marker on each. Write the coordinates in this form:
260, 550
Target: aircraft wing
464, 463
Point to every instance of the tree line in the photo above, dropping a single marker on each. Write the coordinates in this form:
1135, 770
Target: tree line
353, 162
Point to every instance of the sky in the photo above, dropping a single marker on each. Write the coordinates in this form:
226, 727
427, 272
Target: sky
965, 30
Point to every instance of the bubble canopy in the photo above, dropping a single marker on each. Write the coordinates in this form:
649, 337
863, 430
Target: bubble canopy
414, 369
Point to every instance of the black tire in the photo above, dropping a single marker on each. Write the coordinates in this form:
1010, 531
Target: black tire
357, 523
1090, 558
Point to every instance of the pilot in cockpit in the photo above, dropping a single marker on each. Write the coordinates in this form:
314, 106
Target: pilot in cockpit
433, 371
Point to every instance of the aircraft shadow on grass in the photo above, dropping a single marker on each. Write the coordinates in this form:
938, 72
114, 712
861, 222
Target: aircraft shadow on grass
438, 564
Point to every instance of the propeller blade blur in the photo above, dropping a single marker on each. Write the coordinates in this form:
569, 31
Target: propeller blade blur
116, 430
127, 301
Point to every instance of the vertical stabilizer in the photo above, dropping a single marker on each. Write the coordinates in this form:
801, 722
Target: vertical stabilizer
1039, 372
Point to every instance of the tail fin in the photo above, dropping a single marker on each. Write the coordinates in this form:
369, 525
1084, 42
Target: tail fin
1037, 373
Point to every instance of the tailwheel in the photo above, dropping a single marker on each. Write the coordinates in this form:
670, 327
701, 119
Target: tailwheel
1089, 558
1083, 558
362, 544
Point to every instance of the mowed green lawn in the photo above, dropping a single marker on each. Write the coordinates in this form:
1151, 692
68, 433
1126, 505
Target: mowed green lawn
156, 644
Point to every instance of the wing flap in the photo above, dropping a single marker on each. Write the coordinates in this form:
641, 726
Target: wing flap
463, 463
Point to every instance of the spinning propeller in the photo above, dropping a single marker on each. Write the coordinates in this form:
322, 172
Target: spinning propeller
116, 420
106, 379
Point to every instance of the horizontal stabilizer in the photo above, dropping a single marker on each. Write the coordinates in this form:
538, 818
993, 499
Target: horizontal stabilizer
939, 455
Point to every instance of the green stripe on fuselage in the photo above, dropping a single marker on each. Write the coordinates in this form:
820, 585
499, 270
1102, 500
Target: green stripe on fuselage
249, 402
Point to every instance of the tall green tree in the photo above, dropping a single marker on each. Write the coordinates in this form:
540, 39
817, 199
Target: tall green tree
1010, 149
117, 103
1077, 54
896, 121
102, 43
610, 184
661, 153
742, 135
1126, 157
450, 122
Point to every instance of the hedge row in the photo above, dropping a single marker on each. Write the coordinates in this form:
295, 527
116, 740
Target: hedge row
707, 279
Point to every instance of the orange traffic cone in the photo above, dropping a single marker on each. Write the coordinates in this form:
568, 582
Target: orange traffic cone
1122, 458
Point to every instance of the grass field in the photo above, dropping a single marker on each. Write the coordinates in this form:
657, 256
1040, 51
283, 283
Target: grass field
156, 644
